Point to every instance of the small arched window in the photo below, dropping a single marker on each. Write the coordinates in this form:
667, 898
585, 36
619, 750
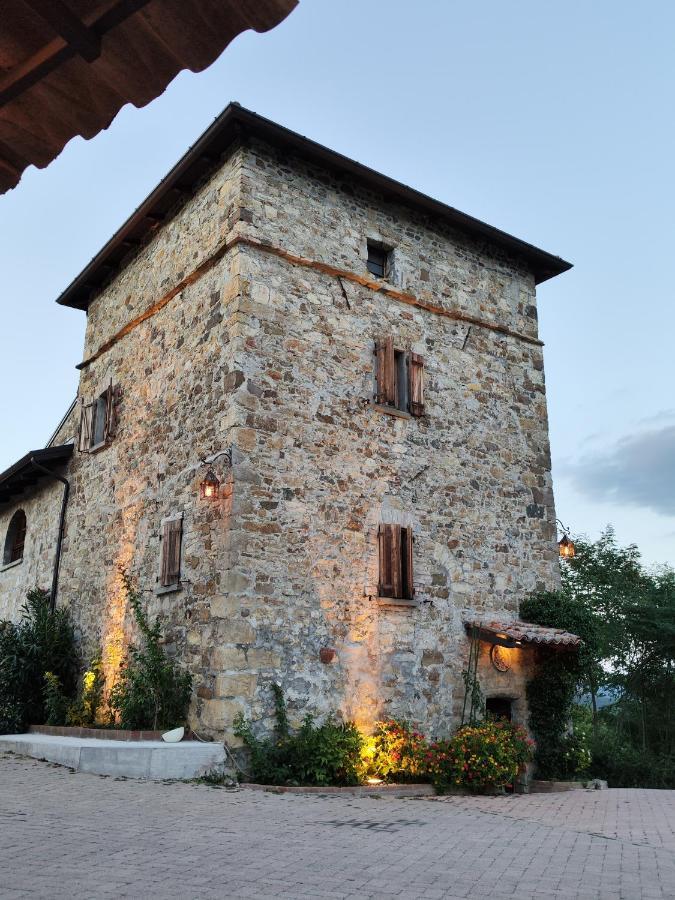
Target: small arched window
16, 538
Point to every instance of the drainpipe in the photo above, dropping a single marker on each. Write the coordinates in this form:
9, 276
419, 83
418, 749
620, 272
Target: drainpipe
64, 503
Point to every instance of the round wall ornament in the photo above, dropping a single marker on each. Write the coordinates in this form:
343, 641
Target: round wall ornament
499, 659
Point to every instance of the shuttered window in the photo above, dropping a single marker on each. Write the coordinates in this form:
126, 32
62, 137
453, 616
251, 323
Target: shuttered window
399, 378
396, 562
97, 421
172, 533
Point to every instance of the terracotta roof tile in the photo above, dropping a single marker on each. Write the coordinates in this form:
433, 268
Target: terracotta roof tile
526, 632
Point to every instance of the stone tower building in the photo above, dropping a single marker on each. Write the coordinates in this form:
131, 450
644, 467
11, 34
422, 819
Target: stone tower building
358, 366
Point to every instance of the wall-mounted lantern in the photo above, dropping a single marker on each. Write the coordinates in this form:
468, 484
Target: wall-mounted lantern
209, 486
566, 547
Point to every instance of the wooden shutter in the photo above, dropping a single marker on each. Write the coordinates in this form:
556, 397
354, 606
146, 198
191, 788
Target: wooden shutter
86, 416
386, 587
109, 414
407, 563
386, 372
172, 532
17, 536
416, 384
390, 561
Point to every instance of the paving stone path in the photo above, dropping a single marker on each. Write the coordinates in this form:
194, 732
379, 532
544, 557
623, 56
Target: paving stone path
83, 836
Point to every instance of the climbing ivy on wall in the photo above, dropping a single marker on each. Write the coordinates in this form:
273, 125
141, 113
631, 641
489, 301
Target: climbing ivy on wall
551, 692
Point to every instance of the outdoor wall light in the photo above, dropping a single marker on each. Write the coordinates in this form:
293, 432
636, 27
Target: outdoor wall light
209, 486
566, 547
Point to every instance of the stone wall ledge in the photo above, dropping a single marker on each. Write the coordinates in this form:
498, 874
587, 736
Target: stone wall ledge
104, 734
553, 787
359, 790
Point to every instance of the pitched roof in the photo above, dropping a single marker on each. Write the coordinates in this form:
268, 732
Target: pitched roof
523, 633
23, 475
204, 156
67, 68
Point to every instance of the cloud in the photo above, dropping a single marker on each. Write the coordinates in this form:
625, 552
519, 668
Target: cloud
638, 471
658, 418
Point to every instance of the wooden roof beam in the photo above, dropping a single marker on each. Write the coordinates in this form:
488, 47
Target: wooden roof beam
25, 74
66, 24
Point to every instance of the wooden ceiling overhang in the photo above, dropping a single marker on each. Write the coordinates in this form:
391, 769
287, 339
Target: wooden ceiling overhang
68, 66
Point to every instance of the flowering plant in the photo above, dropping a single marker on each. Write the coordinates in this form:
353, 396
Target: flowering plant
479, 757
395, 752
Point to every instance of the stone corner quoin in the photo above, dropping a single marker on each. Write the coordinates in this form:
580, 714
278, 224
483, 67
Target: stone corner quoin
250, 319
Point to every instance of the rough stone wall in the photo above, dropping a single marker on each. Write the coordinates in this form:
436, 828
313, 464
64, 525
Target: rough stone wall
35, 569
509, 685
472, 477
172, 373
42, 508
276, 361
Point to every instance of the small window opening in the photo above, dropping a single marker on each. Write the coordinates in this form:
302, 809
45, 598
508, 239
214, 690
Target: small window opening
378, 260
499, 708
16, 538
401, 364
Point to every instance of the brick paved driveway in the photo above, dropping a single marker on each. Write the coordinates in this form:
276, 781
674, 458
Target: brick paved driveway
82, 836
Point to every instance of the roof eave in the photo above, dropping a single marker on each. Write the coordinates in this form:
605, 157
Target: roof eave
518, 633
22, 476
209, 148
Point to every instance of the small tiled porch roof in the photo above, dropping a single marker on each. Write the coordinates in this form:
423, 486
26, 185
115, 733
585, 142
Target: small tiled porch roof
515, 632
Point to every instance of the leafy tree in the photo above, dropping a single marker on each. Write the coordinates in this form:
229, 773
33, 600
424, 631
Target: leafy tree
625, 615
603, 580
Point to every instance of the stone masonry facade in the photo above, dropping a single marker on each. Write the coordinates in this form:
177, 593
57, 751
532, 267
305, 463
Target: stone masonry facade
266, 345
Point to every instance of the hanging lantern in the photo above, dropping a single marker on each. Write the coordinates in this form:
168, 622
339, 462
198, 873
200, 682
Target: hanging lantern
566, 547
209, 487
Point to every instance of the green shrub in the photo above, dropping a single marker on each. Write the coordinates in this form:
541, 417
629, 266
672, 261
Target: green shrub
84, 710
395, 752
56, 703
151, 691
11, 716
319, 755
479, 757
42, 641
617, 759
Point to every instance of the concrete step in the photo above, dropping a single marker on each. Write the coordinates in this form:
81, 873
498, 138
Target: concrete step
138, 759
